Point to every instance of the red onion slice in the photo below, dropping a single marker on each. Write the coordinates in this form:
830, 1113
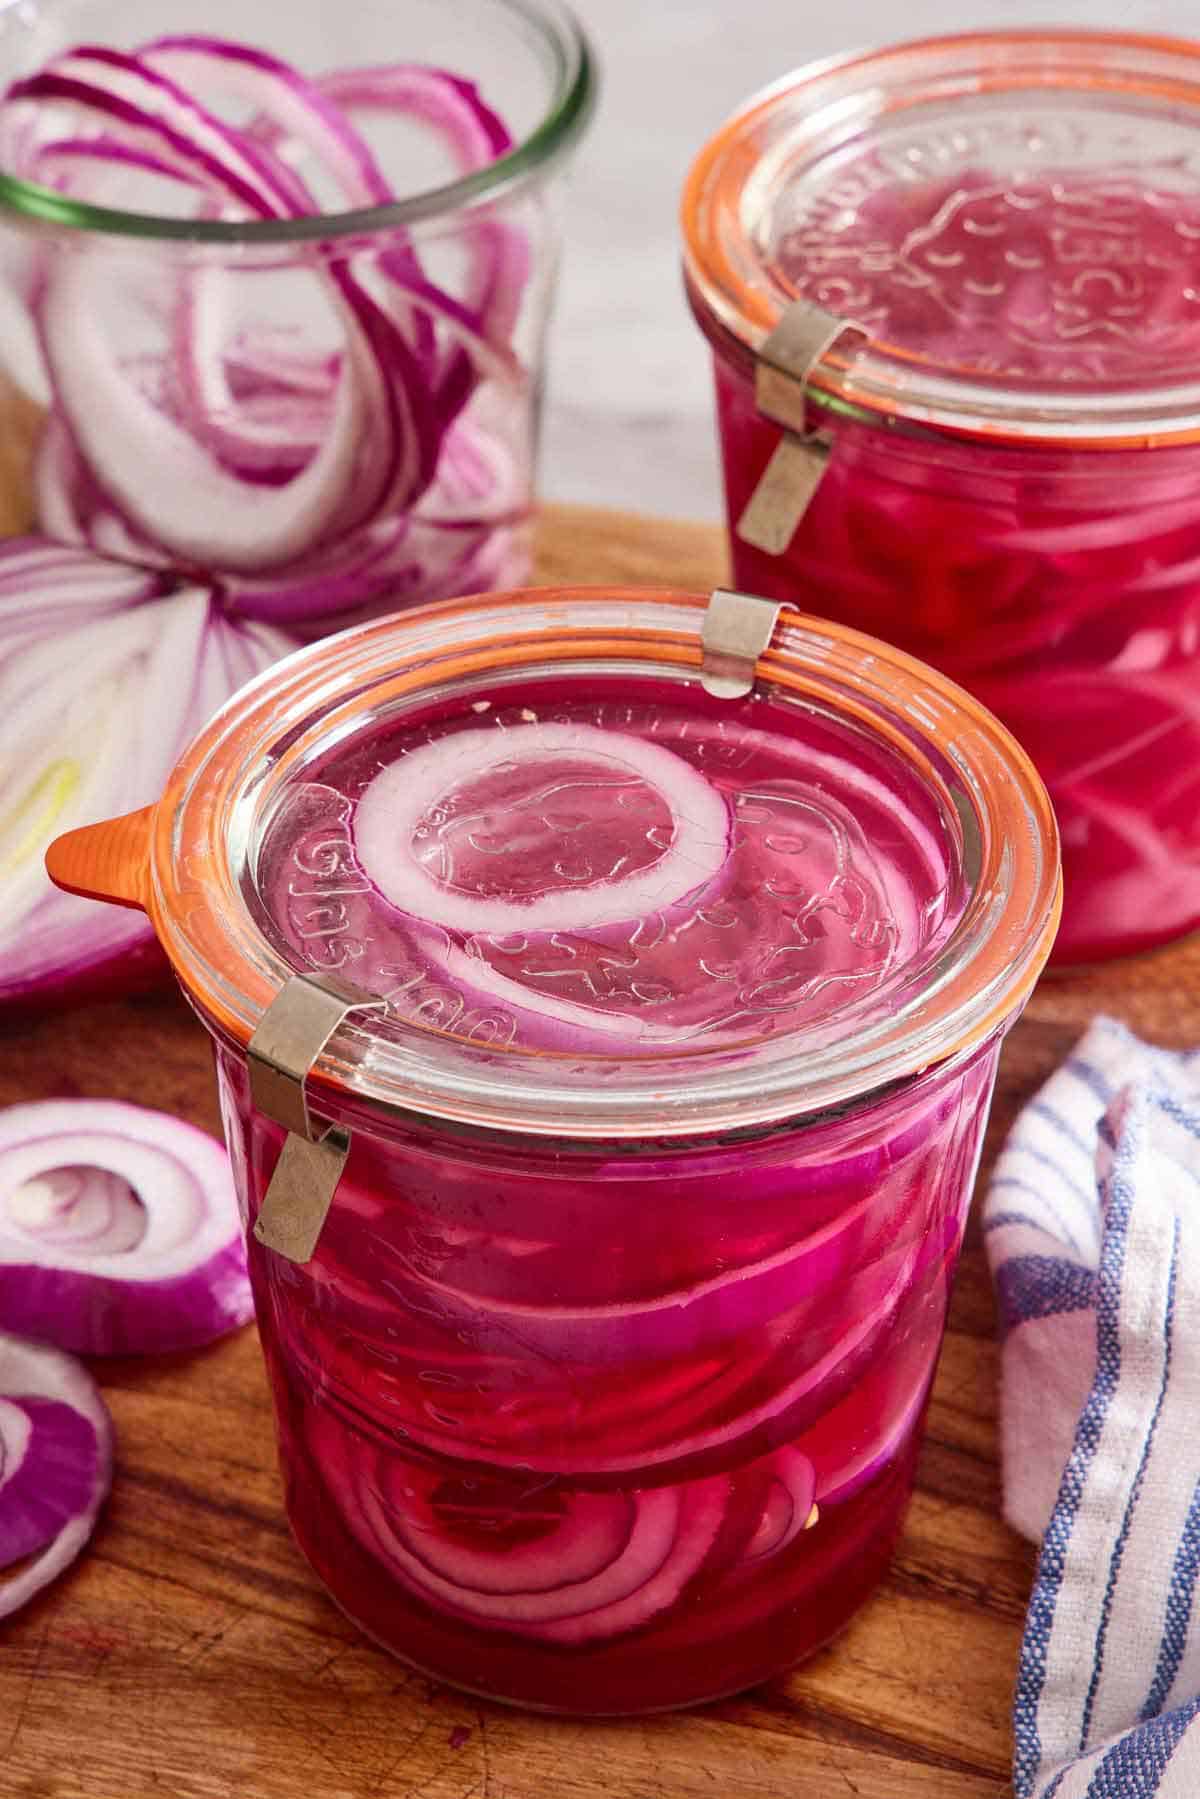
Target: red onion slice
638, 1558
852, 1259
603, 1564
55, 1465
169, 484
298, 108
857, 1439
565, 1553
119, 1230
741, 1399
124, 86
147, 130
788, 1507
702, 1507
405, 798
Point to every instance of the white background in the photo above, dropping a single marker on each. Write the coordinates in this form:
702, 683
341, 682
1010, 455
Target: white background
629, 417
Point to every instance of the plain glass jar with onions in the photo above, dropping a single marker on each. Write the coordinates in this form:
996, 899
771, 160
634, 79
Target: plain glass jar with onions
607, 988
958, 282
276, 285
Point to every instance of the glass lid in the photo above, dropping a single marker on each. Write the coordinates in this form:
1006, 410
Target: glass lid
1012, 218
586, 895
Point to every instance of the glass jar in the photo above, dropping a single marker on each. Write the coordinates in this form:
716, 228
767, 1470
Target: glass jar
290, 346
951, 293
601, 1266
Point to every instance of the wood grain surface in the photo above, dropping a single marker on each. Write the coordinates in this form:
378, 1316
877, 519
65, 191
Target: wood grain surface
191, 1654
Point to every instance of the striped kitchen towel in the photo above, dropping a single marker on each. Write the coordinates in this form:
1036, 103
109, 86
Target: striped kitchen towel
1092, 1223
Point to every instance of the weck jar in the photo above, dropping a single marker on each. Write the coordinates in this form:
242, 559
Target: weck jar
606, 988
952, 290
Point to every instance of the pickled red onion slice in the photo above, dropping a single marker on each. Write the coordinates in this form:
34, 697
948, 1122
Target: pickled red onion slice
788, 1508
630, 1565
104, 677
601, 1526
856, 1255
55, 1465
857, 1439
742, 1398
598, 1565
416, 795
702, 1507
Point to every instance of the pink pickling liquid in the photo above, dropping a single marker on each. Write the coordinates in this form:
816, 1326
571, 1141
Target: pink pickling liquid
833, 880
1063, 588
611, 1428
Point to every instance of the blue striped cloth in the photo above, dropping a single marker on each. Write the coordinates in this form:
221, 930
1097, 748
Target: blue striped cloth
1092, 1223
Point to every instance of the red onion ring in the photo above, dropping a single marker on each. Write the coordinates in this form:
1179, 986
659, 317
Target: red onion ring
55, 1466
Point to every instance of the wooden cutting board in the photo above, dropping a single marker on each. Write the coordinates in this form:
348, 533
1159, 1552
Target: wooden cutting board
191, 1654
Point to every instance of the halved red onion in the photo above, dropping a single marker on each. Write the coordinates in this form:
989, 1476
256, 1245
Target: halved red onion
55, 1466
119, 1229
410, 795
104, 678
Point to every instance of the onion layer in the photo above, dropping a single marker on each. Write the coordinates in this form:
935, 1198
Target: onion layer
103, 680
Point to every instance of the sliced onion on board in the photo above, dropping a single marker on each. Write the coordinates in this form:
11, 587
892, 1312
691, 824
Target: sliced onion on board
119, 1230
55, 1466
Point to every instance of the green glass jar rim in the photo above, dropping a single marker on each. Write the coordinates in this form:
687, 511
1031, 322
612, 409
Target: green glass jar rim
568, 112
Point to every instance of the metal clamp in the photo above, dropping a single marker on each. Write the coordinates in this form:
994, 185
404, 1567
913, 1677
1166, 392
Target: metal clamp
737, 629
290, 1036
786, 360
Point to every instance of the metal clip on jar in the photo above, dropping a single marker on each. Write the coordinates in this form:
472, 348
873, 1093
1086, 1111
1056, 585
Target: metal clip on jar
606, 989
951, 290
